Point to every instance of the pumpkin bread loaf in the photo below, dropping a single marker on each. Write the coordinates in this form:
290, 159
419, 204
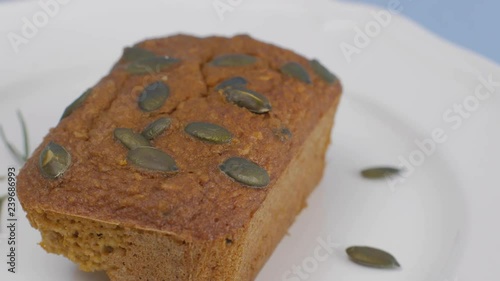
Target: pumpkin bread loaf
188, 161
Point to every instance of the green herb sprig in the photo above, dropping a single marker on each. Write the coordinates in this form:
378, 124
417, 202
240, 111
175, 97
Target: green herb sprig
20, 157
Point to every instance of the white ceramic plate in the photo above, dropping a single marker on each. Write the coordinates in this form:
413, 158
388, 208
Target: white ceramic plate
440, 223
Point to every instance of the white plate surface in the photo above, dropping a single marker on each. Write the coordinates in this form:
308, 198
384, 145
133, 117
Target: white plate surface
440, 222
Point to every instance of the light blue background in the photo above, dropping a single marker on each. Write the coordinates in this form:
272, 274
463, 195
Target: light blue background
473, 24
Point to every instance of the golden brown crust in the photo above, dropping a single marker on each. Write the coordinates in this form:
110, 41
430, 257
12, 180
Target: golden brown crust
131, 254
199, 202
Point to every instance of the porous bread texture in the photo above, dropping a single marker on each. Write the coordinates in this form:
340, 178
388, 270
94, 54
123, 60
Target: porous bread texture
197, 224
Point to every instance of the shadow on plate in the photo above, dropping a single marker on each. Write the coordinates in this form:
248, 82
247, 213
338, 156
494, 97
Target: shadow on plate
90, 276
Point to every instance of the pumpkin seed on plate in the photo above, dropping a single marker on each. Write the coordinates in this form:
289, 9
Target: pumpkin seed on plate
150, 65
296, 70
153, 159
154, 96
246, 172
233, 60
323, 72
372, 257
130, 139
379, 172
253, 101
76, 104
156, 128
54, 160
209, 132
231, 83
135, 53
